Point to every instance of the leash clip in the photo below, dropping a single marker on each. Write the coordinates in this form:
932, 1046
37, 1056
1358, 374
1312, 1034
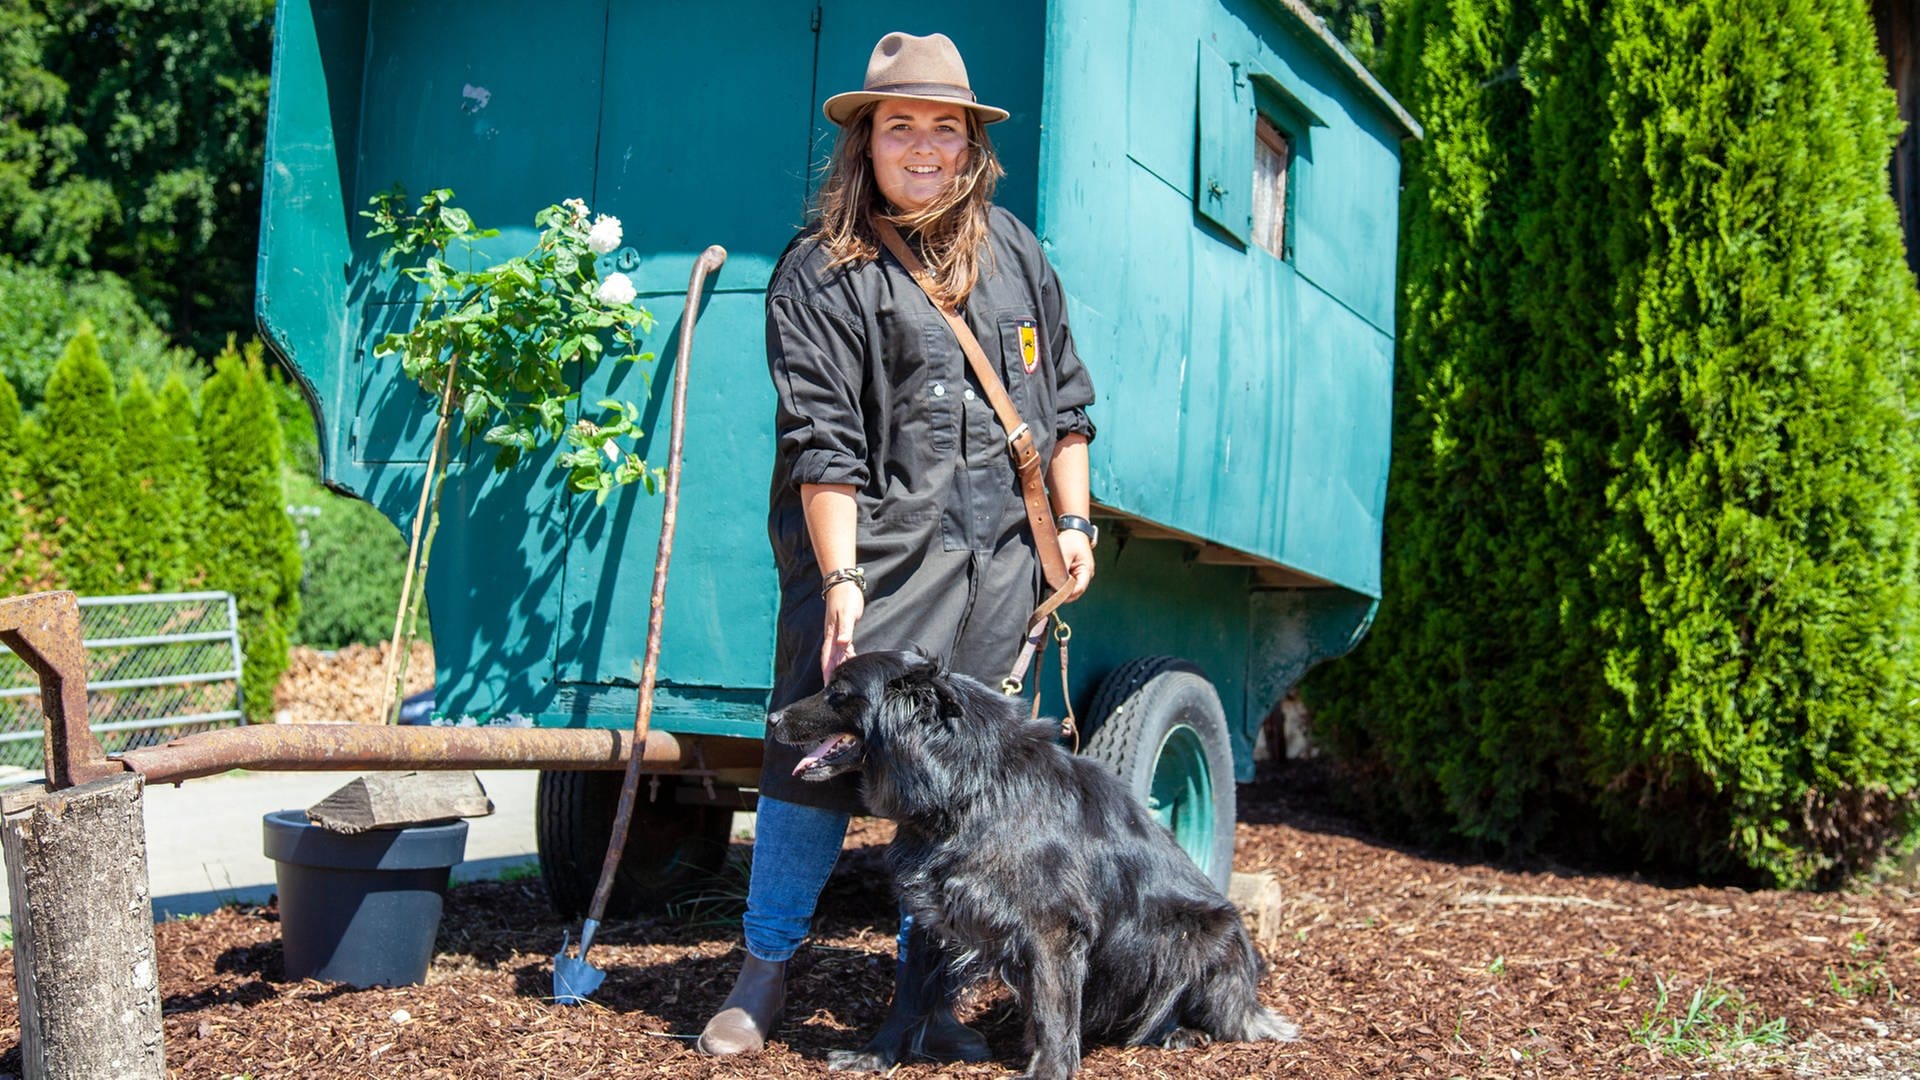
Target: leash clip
1010, 685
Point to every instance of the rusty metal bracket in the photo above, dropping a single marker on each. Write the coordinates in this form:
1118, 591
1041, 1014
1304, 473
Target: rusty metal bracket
44, 630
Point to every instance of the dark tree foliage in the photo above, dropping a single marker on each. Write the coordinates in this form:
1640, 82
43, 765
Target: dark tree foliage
1359, 24
130, 141
1650, 562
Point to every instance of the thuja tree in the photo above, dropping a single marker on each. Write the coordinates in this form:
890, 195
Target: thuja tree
81, 491
1451, 712
1649, 560
248, 545
1759, 624
166, 487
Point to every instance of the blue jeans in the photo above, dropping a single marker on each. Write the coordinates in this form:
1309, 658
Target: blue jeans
794, 849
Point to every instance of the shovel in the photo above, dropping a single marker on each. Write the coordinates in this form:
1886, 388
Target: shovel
573, 977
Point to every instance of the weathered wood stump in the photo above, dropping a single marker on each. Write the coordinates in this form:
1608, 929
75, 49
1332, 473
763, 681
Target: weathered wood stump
83, 955
1258, 898
398, 800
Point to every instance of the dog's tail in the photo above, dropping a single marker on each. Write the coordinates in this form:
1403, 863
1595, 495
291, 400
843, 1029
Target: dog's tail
1262, 1024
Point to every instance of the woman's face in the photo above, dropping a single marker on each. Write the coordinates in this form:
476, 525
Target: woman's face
918, 148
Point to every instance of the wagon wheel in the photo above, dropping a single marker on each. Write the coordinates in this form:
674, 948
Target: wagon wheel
671, 847
1157, 722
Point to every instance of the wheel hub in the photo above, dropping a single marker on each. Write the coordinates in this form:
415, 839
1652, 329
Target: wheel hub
1182, 795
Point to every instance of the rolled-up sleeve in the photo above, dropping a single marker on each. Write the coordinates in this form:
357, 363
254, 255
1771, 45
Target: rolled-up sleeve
815, 357
1073, 389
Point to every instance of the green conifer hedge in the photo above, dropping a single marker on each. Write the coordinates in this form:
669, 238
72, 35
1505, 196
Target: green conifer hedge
249, 547
82, 492
1651, 571
165, 483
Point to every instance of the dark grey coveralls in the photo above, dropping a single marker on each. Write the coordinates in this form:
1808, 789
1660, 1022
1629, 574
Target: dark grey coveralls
874, 392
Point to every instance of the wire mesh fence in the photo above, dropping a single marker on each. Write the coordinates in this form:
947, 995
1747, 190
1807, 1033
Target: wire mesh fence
158, 666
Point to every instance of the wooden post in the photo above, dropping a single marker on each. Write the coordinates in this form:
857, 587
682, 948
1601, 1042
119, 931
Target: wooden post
1258, 898
83, 954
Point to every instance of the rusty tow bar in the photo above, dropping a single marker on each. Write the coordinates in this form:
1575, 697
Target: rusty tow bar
43, 629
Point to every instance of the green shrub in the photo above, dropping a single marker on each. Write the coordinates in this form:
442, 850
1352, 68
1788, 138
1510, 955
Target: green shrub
9, 422
26, 551
167, 486
1650, 566
354, 561
249, 545
41, 309
1452, 712
1759, 630
82, 493
300, 439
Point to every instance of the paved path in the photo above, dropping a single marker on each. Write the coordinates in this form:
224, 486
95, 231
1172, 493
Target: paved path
204, 837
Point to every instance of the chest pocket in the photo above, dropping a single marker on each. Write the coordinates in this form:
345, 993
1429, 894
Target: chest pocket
920, 358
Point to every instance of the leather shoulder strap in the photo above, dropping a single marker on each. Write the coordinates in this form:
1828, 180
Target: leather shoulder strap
1020, 446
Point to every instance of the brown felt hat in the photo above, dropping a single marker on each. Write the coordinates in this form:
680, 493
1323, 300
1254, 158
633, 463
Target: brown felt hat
920, 68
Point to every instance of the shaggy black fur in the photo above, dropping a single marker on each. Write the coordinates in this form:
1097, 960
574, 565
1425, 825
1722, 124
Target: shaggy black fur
1029, 863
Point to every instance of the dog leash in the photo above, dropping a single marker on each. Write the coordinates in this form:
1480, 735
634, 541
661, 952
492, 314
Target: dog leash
1026, 463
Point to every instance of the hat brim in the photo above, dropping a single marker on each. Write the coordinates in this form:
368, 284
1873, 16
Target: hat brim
841, 107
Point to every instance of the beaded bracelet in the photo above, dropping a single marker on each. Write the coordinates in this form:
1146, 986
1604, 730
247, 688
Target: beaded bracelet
855, 574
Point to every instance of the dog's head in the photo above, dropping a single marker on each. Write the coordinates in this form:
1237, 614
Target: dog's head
915, 728
839, 721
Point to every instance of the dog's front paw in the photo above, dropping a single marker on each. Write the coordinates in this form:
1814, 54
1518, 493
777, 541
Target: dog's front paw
865, 1059
1182, 1038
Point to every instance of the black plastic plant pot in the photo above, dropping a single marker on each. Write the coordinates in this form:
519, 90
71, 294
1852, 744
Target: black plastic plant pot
361, 909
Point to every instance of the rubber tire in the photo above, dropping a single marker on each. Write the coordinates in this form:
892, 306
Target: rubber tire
671, 847
1143, 707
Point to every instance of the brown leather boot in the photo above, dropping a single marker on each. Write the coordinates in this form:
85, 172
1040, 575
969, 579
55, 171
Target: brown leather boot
750, 1012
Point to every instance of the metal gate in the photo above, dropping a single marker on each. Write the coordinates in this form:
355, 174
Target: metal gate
158, 665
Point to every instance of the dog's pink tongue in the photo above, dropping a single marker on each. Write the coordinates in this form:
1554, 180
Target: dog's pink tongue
825, 749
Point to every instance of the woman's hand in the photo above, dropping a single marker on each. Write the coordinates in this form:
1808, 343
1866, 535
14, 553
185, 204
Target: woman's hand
1077, 549
845, 604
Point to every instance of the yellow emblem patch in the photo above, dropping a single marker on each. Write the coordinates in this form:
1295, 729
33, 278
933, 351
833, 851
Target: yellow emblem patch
1029, 346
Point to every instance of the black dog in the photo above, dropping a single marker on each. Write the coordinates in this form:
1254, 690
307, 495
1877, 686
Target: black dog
1031, 863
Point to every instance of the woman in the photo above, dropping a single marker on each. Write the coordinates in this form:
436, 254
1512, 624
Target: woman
896, 516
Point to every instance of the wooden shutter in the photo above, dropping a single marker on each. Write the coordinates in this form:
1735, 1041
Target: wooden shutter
1223, 188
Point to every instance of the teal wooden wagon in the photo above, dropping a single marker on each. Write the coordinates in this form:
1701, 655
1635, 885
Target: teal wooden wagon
1216, 181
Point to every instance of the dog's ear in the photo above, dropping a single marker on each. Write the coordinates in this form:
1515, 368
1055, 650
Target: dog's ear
952, 705
939, 662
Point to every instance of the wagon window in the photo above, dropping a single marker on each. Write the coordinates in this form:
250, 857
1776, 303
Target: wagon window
1272, 154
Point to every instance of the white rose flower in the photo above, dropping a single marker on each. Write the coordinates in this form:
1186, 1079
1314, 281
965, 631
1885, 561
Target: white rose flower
577, 207
616, 289
605, 235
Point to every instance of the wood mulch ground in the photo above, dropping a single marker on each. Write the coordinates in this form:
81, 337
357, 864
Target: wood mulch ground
1395, 963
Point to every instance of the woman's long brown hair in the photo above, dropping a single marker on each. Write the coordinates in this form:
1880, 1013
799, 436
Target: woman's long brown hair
952, 229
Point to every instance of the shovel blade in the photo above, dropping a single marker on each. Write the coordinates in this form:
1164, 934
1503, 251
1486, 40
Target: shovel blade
573, 977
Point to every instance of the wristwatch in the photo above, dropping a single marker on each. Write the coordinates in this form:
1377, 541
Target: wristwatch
1079, 524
